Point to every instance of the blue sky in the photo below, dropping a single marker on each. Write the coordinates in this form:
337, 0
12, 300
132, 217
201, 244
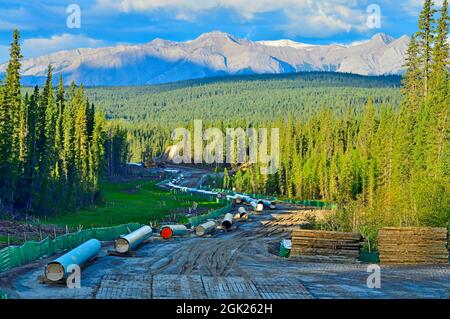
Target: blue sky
107, 22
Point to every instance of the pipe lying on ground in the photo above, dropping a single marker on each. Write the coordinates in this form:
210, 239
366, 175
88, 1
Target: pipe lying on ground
242, 213
58, 269
258, 207
227, 221
205, 228
206, 192
168, 231
268, 203
127, 242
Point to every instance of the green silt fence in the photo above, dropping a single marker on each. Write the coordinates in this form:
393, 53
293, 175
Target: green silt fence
30, 251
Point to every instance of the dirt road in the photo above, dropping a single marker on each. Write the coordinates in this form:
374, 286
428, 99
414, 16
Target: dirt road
242, 263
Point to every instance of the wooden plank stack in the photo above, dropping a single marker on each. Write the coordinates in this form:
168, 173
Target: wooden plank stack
413, 245
317, 245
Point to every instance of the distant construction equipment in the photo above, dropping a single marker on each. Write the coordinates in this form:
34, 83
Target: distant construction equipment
127, 242
58, 269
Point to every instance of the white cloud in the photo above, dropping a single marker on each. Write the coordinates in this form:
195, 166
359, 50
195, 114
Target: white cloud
40, 46
304, 17
413, 7
5, 25
324, 21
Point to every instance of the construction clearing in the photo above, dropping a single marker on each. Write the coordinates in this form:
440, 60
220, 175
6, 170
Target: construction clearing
230, 257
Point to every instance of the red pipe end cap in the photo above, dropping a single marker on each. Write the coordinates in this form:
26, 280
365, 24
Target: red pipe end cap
166, 232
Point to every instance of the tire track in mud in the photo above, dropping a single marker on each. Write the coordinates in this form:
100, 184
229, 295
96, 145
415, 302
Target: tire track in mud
219, 256
212, 256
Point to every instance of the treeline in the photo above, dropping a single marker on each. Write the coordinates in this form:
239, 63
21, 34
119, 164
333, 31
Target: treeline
382, 168
52, 145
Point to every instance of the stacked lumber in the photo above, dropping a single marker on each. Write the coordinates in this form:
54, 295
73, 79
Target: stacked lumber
413, 245
325, 245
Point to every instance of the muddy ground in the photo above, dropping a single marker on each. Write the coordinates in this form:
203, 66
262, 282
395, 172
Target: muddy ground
242, 263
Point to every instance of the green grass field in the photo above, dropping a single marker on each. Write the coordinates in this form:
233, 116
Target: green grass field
135, 201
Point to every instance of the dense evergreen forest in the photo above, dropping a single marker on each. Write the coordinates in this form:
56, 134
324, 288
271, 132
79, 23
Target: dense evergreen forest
378, 147
256, 99
379, 151
389, 167
53, 145
149, 114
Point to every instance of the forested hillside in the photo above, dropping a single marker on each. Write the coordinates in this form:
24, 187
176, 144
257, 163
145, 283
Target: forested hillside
149, 114
255, 98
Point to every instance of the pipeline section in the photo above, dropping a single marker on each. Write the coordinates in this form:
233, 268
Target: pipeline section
257, 204
58, 269
168, 231
127, 242
205, 228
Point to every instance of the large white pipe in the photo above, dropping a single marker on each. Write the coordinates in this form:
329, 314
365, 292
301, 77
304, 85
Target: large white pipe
267, 203
258, 207
241, 210
205, 228
242, 213
227, 221
58, 269
127, 242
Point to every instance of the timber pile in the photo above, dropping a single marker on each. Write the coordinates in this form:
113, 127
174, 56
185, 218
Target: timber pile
413, 245
325, 245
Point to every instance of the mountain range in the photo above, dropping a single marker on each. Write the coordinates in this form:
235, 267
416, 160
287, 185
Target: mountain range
214, 54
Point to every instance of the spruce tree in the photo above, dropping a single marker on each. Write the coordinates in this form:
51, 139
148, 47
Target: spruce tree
98, 149
11, 126
412, 88
4, 141
226, 178
31, 161
425, 37
59, 132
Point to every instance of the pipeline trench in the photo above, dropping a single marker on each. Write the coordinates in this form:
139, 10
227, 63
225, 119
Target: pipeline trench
241, 263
